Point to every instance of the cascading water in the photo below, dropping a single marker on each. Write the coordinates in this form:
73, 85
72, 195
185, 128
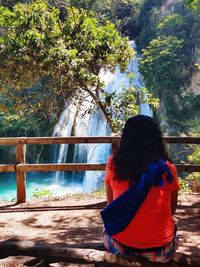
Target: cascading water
94, 124
64, 128
94, 153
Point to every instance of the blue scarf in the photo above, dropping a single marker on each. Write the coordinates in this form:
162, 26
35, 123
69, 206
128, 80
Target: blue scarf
118, 214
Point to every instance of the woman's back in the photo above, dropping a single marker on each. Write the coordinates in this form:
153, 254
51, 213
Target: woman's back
153, 224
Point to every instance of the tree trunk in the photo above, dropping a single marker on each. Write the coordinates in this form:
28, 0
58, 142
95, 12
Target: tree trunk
61, 252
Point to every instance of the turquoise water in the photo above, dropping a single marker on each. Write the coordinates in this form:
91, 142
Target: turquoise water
68, 183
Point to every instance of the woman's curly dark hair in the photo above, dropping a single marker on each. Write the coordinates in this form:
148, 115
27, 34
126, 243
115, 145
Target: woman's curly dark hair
141, 143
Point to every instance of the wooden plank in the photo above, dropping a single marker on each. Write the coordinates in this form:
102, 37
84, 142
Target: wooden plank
101, 139
87, 167
7, 168
60, 167
20, 175
71, 140
187, 167
12, 141
57, 140
87, 139
181, 139
77, 167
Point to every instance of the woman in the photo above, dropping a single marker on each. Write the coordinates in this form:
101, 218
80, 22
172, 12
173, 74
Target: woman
141, 164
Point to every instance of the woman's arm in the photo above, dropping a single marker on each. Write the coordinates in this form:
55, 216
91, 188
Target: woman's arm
109, 193
175, 188
174, 200
107, 180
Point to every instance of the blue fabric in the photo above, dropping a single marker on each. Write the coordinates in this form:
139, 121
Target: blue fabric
118, 214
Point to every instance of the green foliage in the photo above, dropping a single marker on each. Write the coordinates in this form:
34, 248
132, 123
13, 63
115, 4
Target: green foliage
171, 21
166, 72
121, 105
71, 51
173, 24
193, 179
193, 125
123, 13
193, 5
191, 183
26, 112
68, 52
195, 156
161, 63
13, 124
149, 16
42, 193
190, 112
197, 65
169, 74
184, 185
194, 130
40, 43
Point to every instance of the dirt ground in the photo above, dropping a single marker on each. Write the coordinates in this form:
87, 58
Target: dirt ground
76, 222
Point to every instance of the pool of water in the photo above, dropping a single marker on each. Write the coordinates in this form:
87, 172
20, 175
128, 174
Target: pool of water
58, 185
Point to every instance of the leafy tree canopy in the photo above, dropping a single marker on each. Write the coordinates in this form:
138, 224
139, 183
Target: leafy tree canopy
173, 24
69, 51
173, 31
163, 66
159, 63
123, 13
36, 40
62, 56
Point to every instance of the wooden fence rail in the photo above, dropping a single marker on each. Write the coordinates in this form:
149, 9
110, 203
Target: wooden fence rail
22, 167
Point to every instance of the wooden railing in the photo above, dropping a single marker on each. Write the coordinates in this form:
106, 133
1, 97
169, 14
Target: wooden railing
21, 166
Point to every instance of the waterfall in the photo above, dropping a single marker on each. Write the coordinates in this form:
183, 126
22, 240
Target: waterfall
63, 128
96, 153
81, 123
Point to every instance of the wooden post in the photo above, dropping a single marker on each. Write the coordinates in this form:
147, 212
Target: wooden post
115, 144
20, 175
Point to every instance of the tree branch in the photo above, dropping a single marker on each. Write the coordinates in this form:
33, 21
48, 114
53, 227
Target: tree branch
100, 105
